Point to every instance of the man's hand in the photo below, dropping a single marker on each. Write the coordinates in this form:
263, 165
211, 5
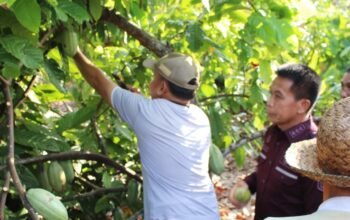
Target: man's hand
233, 191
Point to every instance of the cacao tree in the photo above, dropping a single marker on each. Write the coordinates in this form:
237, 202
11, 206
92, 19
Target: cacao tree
49, 114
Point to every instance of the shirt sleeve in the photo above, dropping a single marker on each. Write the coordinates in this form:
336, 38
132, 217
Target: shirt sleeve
312, 193
251, 182
127, 104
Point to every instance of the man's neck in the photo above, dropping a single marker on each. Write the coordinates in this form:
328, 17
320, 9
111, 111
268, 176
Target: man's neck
298, 120
176, 100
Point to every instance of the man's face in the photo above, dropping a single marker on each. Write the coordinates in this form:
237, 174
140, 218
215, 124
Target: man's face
282, 107
345, 86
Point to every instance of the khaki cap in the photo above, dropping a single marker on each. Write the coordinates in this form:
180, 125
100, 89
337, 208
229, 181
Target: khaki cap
179, 69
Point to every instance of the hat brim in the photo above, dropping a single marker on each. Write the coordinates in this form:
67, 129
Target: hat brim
302, 158
149, 63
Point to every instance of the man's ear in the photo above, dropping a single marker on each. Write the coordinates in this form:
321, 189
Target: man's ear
304, 106
162, 89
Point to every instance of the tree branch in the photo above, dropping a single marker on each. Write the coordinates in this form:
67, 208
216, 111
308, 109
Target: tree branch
100, 142
223, 96
243, 141
78, 155
4, 192
143, 37
26, 91
11, 151
96, 192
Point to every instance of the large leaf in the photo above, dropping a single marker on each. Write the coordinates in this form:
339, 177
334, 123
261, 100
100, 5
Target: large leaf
55, 74
123, 130
23, 50
73, 119
28, 13
11, 70
78, 13
194, 36
39, 141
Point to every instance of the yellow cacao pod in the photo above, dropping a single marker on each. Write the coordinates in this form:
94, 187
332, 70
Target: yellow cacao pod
68, 170
57, 177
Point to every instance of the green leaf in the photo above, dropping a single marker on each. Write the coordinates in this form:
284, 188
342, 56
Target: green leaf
123, 130
103, 204
11, 70
22, 49
55, 74
256, 94
240, 156
106, 180
207, 90
74, 119
78, 13
28, 13
194, 36
39, 141
27, 177
216, 124
265, 71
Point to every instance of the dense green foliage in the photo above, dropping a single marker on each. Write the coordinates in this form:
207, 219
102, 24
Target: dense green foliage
238, 43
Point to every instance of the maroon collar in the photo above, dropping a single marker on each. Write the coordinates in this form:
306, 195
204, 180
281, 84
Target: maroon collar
298, 132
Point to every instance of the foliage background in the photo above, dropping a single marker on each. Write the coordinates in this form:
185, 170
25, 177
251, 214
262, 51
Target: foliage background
237, 42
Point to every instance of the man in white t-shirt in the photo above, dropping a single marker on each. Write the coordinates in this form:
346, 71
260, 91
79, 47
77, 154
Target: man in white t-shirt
173, 137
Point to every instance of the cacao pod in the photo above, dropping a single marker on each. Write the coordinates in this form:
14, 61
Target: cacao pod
68, 170
216, 160
57, 177
47, 204
133, 191
69, 42
43, 177
95, 9
242, 194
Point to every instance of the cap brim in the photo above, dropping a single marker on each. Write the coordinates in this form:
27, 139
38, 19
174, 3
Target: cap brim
302, 157
149, 63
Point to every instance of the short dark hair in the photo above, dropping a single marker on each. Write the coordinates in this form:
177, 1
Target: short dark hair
348, 70
306, 82
181, 93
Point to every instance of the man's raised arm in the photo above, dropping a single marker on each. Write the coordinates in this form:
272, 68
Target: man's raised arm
94, 76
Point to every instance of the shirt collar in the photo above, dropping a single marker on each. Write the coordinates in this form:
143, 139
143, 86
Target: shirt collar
297, 132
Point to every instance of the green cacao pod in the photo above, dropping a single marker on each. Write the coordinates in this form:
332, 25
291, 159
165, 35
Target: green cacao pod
133, 191
43, 177
57, 177
47, 204
216, 160
68, 170
118, 214
69, 42
95, 9
242, 194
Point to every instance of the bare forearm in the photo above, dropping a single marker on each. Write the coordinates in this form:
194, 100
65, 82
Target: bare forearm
94, 76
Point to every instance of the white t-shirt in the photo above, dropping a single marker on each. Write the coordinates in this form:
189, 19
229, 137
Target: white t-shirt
337, 208
174, 142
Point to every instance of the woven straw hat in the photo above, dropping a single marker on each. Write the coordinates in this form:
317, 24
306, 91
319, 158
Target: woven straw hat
327, 157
